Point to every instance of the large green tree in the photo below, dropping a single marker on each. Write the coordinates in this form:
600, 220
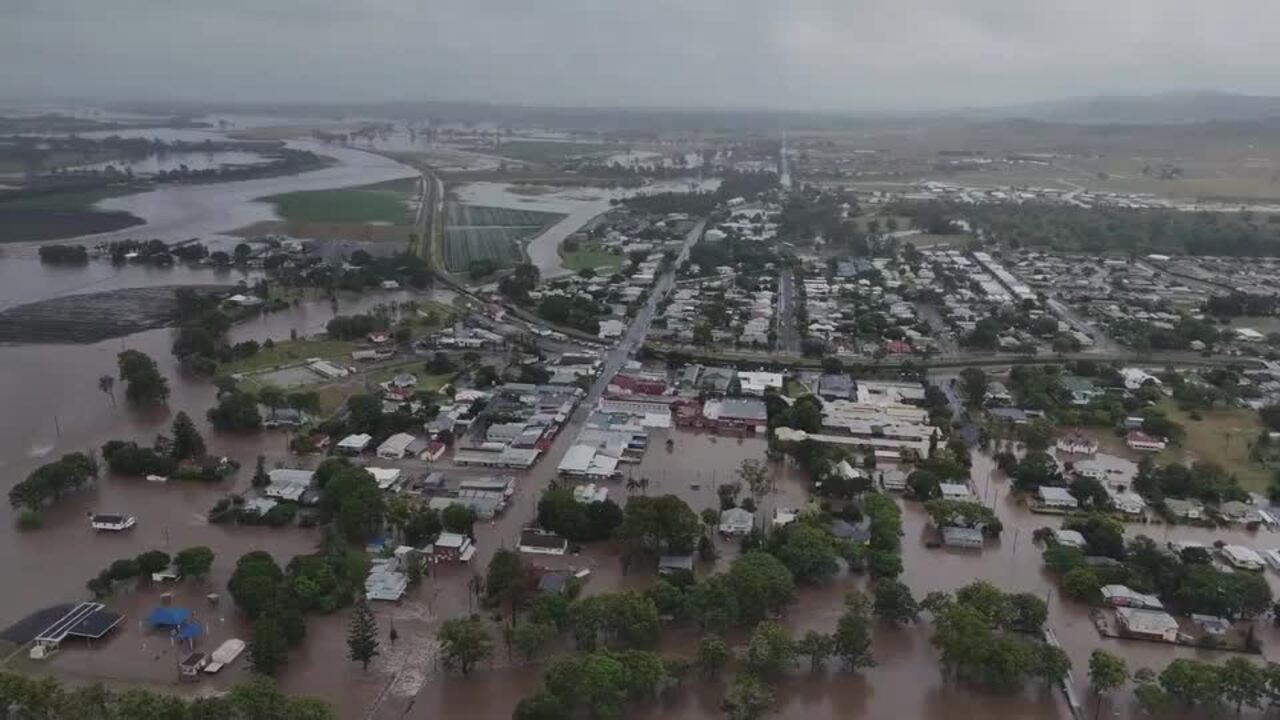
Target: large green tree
463, 643
144, 385
362, 634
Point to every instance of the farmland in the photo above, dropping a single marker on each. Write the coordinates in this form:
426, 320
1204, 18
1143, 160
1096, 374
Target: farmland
476, 232
479, 215
352, 205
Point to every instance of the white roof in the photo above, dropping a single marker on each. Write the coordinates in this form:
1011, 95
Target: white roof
577, 459
1140, 620
385, 477
954, 490
288, 484
1242, 554
396, 444
1069, 537
355, 442
1056, 495
451, 540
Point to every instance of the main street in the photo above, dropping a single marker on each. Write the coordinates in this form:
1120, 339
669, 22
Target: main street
788, 334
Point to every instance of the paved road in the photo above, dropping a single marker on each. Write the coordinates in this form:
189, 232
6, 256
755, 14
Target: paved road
633, 339
788, 334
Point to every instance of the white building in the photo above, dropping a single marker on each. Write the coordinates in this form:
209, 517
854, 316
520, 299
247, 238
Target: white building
736, 521
354, 444
756, 383
1056, 498
1069, 538
395, 447
1242, 558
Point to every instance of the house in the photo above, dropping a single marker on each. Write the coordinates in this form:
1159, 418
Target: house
1080, 391
395, 447
611, 329
963, 537
386, 478
1138, 440
434, 451
997, 395
384, 582
1077, 444
669, 564
784, 516
453, 547
585, 461
1056, 498
835, 387
756, 383
287, 484
1184, 509
1135, 378
893, 480
111, 522
1211, 624
284, 417
955, 491
844, 530
1123, 596
1125, 500
541, 542
354, 444
1148, 624
736, 521
1242, 558
1069, 538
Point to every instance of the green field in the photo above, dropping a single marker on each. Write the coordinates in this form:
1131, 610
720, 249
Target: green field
592, 257
291, 351
351, 205
1223, 437
82, 200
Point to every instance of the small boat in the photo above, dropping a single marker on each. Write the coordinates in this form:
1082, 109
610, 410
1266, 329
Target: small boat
111, 522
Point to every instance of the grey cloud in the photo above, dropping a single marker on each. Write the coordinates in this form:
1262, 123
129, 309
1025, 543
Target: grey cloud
798, 54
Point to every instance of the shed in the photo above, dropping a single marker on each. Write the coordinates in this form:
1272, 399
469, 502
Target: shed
1057, 498
395, 447
1148, 624
963, 537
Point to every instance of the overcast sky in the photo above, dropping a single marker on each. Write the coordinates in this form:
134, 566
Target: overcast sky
797, 54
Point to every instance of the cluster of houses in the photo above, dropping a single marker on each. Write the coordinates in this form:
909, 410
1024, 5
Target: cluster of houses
865, 306
727, 313
615, 299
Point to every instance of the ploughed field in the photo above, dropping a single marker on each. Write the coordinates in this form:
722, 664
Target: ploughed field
91, 317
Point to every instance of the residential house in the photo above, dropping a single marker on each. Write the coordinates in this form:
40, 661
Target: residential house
736, 521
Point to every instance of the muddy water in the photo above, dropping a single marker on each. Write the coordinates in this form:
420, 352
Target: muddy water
55, 407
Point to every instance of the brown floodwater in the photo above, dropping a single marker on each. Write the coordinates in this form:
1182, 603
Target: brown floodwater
54, 407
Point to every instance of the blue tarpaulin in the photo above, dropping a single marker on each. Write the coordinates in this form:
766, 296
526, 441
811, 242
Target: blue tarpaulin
168, 616
190, 630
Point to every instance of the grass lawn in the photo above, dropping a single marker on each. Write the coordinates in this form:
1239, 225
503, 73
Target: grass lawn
1222, 437
291, 351
350, 205
589, 256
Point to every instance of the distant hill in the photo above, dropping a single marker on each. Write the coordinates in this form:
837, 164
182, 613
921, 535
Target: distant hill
1160, 109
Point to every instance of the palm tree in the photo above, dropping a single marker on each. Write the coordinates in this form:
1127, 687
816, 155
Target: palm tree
107, 384
632, 485
643, 484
